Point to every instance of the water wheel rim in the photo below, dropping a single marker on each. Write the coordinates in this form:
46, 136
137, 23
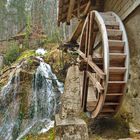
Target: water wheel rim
102, 29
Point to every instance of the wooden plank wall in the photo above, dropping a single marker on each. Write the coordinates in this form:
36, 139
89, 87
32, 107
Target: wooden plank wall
122, 7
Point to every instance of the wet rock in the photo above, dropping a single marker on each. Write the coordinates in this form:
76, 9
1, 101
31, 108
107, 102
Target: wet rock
71, 129
71, 98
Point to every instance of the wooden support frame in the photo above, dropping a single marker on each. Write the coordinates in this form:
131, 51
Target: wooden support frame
77, 31
87, 9
75, 9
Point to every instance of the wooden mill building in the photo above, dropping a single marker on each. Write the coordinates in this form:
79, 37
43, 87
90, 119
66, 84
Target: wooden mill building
129, 12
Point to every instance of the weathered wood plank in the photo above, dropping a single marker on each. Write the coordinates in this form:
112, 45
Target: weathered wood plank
122, 7
130, 10
86, 9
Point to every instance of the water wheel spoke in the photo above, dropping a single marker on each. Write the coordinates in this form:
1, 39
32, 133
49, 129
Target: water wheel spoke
87, 36
83, 37
95, 68
85, 91
92, 34
95, 82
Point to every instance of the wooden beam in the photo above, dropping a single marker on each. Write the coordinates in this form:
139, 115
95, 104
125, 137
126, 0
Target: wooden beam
77, 31
63, 16
131, 8
70, 10
82, 55
87, 36
78, 8
85, 91
92, 34
86, 9
85, 6
97, 69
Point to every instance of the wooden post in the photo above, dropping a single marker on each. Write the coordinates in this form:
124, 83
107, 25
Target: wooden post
71, 7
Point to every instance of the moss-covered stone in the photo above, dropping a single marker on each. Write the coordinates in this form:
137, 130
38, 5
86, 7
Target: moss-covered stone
50, 135
26, 54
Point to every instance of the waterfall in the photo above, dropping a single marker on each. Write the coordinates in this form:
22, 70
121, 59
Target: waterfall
46, 82
44, 103
9, 114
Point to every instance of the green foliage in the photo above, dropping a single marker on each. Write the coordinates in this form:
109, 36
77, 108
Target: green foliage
26, 54
12, 53
52, 134
25, 138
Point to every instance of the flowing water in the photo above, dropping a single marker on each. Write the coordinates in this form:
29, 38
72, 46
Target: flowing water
44, 103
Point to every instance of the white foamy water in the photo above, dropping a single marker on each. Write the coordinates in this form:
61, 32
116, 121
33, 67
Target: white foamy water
41, 51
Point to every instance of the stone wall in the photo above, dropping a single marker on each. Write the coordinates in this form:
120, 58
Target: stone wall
132, 101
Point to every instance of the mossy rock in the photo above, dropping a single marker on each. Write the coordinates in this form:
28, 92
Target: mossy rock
26, 54
50, 135
60, 62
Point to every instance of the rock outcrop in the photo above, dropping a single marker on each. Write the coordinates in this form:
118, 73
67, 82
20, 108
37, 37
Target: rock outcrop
130, 109
29, 99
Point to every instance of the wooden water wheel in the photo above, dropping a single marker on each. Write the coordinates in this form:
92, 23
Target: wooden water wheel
104, 62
